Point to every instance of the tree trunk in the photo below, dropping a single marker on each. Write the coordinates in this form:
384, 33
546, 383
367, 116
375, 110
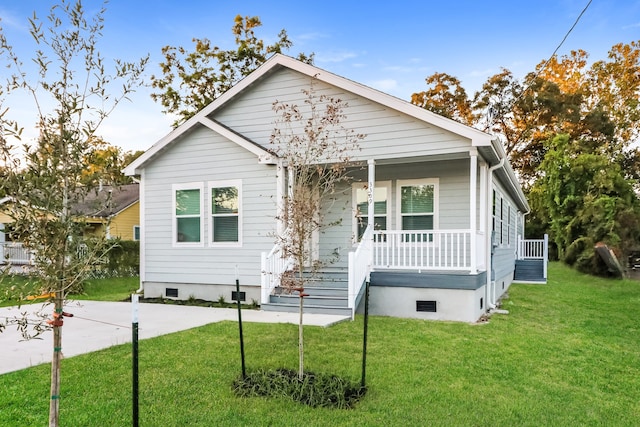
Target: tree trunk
54, 405
300, 341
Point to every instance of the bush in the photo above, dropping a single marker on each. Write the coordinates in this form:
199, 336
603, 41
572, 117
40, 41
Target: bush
315, 390
123, 260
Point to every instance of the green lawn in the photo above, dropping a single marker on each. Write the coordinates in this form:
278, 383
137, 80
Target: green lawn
567, 354
112, 289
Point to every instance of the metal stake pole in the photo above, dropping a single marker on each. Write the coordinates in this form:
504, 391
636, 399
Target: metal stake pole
134, 341
244, 371
366, 331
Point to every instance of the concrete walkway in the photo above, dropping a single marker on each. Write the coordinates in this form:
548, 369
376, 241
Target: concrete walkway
97, 325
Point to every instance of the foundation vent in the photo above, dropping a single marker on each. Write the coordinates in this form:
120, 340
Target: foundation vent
429, 306
171, 292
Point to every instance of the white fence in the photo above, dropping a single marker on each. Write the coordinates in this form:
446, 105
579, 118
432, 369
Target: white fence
424, 250
14, 253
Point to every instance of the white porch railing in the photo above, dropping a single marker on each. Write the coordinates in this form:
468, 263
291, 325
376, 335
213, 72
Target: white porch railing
15, 253
424, 250
359, 267
534, 249
274, 264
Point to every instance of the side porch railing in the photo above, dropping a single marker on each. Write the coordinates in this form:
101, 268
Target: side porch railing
534, 249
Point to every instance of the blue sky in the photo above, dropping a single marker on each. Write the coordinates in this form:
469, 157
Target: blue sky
391, 46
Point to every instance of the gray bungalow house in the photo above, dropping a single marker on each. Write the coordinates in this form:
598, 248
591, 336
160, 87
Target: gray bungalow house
447, 207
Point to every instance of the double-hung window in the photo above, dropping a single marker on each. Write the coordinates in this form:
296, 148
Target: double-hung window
187, 214
418, 206
381, 206
225, 217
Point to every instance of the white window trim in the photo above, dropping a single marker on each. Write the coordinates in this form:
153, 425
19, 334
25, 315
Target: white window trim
217, 184
354, 202
436, 199
134, 232
174, 222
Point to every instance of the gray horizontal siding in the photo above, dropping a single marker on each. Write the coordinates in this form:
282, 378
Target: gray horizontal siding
202, 156
251, 115
505, 254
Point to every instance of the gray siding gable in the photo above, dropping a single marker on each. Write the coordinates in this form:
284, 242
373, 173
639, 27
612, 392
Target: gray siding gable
203, 156
389, 133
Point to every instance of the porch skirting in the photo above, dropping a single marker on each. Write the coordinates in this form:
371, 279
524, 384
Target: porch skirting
453, 296
439, 280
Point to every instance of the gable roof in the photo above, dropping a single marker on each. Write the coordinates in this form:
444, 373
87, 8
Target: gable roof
477, 137
487, 145
116, 197
108, 200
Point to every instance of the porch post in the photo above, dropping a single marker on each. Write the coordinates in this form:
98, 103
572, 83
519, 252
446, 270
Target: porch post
371, 188
473, 188
371, 200
280, 192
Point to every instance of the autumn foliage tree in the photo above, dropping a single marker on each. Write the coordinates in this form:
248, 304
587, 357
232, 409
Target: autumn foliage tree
595, 105
191, 80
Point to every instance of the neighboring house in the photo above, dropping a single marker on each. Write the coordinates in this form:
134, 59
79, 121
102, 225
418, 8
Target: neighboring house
121, 216
120, 219
447, 207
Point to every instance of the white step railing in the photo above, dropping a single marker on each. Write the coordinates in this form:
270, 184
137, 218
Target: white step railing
274, 264
15, 253
533, 248
359, 267
424, 250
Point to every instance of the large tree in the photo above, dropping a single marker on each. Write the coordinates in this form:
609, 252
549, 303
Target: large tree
598, 105
45, 177
192, 80
597, 108
587, 200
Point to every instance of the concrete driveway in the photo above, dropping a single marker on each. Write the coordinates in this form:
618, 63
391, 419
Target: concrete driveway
97, 325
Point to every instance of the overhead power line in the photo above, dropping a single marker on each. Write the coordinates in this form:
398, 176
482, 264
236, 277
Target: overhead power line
544, 65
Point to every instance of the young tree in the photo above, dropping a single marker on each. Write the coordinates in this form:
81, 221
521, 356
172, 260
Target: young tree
317, 150
192, 80
45, 179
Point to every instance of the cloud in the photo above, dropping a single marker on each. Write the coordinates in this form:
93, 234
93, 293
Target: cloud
481, 73
334, 56
627, 27
312, 36
7, 19
384, 85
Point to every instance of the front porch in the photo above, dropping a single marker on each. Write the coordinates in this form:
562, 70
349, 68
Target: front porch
445, 259
430, 271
